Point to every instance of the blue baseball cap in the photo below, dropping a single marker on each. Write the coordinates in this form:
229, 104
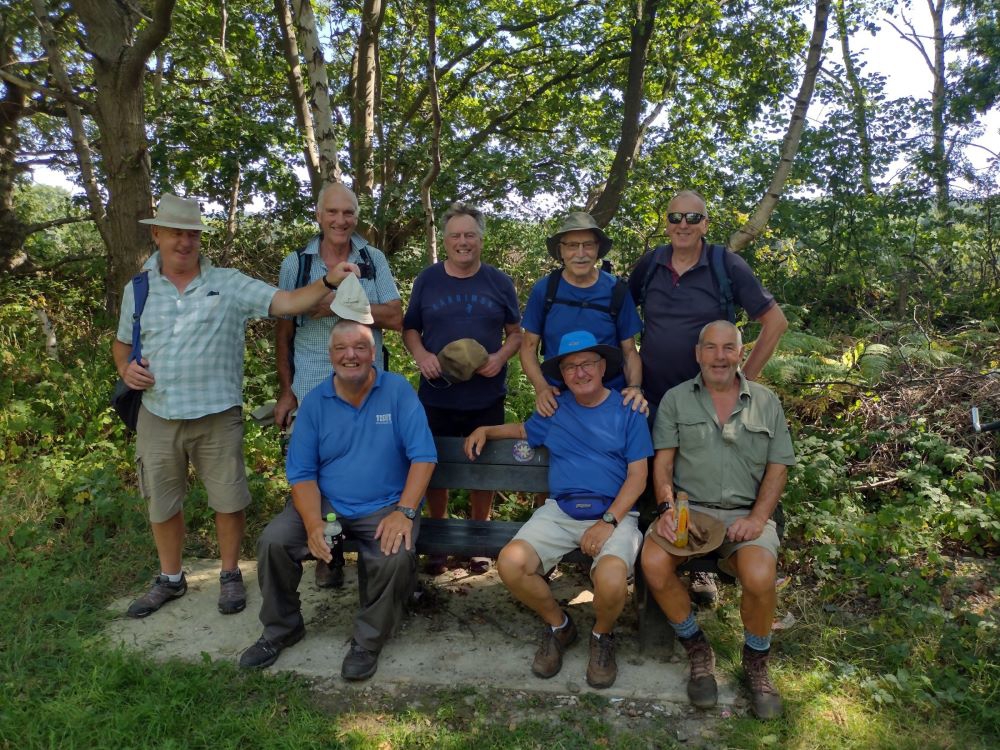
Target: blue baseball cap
583, 341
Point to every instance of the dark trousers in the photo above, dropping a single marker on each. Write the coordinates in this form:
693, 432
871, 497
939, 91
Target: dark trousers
385, 582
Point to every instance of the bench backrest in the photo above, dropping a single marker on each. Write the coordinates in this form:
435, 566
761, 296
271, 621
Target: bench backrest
503, 465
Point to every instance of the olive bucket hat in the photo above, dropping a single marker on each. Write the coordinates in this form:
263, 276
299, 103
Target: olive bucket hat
578, 221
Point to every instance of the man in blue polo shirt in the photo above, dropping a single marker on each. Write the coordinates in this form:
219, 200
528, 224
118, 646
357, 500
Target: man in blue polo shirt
361, 448
679, 294
598, 449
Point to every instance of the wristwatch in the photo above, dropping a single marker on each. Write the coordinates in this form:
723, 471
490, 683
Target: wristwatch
327, 284
410, 513
609, 517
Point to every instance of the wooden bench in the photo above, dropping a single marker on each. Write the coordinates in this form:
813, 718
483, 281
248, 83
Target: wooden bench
508, 465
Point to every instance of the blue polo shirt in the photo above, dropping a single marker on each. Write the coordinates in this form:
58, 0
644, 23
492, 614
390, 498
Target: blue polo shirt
563, 319
360, 457
590, 447
677, 307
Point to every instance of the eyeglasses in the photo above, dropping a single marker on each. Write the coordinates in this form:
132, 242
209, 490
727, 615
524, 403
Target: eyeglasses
586, 367
691, 217
588, 245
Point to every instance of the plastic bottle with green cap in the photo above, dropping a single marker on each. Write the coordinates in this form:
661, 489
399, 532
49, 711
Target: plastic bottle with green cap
333, 532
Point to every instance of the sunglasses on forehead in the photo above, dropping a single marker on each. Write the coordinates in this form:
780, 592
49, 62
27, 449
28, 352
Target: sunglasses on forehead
691, 217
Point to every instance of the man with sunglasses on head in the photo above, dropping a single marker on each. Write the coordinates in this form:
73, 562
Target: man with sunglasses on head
301, 342
679, 292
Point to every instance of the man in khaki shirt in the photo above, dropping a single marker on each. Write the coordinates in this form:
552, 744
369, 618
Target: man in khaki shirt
724, 440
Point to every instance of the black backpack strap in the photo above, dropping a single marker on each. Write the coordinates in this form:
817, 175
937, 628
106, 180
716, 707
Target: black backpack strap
655, 257
617, 300
551, 286
717, 261
302, 279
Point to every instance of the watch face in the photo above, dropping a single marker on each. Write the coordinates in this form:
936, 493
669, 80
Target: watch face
408, 512
609, 517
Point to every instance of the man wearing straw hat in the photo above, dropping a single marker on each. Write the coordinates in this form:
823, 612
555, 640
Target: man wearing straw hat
361, 448
598, 451
191, 375
722, 439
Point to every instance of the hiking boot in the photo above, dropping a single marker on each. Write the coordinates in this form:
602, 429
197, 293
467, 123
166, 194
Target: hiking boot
265, 652
548, 658
329, 576
232, 594
162, 592
765, 702
360, 663
703, 589
436, 565
702, 690
602, 669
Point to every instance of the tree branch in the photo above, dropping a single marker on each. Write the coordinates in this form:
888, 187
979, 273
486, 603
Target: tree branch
44, 90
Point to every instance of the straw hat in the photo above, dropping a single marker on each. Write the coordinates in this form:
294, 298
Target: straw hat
178, 213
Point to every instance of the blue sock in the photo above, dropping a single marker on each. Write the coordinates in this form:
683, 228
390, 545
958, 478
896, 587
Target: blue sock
757, 642
686, 629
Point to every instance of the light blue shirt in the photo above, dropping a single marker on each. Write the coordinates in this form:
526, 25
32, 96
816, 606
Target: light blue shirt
312, 356
194, 340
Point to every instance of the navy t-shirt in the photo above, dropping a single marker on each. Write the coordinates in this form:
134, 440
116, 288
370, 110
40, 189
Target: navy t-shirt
445, 308
677, 308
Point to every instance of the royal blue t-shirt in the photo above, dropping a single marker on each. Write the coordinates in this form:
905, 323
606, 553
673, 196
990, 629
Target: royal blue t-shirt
590, 448
563, 319
360, 457
443, 309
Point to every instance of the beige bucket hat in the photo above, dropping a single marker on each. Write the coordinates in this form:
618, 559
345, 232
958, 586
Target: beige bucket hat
705, 534
351, 302
178, 213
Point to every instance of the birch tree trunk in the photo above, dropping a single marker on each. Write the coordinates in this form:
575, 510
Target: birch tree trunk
790, 143
434, 169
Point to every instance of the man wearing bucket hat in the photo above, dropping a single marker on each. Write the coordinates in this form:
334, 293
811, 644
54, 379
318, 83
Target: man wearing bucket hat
462, 298
361, 447
724, 440
580, 297
679, 288
301, 341
598, 451
191, 375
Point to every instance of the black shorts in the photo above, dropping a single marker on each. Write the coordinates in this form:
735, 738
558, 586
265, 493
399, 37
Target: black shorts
461, 423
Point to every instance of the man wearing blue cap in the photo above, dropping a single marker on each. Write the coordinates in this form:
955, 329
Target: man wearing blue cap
598, 448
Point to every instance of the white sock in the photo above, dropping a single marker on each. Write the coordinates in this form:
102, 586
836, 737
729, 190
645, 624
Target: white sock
565, 622
173, 577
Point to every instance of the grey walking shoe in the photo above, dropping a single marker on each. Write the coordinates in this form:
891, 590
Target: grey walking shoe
702, 690
232, 593
765, 701
704, 590
162, 592
548, 658
602, 669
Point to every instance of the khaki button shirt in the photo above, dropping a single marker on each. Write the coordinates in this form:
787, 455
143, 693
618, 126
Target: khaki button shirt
722, 465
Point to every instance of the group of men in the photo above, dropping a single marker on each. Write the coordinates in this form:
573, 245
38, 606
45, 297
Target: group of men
362, 444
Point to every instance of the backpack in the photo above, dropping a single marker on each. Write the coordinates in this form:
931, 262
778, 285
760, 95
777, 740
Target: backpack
716, 262
302, 279
618, 294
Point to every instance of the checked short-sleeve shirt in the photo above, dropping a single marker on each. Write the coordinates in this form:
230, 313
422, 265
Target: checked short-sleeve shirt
194, 340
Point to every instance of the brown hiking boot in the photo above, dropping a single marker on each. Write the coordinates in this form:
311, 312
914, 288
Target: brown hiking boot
703, 590
602, 669
765, 702
702, 690
548, 658
162, 592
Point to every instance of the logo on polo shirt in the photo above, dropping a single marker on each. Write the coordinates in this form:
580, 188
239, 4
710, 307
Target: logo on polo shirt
383, 418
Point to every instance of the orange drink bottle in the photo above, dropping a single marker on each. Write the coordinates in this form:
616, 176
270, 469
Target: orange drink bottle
681, 513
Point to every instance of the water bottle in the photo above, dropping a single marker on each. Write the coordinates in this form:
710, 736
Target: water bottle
681, 514
333, 533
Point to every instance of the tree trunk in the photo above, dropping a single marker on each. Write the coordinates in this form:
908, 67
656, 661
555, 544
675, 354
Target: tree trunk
434, 169
790, 143
939, 157
319, 92
606, 206
858, 101
297, 91
363, 97
12, 109
118, 56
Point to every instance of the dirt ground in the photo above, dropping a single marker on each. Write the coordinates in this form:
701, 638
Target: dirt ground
463, 631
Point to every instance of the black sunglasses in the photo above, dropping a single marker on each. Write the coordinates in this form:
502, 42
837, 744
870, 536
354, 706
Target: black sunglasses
691, 217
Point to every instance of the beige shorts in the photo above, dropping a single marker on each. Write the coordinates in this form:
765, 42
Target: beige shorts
214, 446
552, 533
